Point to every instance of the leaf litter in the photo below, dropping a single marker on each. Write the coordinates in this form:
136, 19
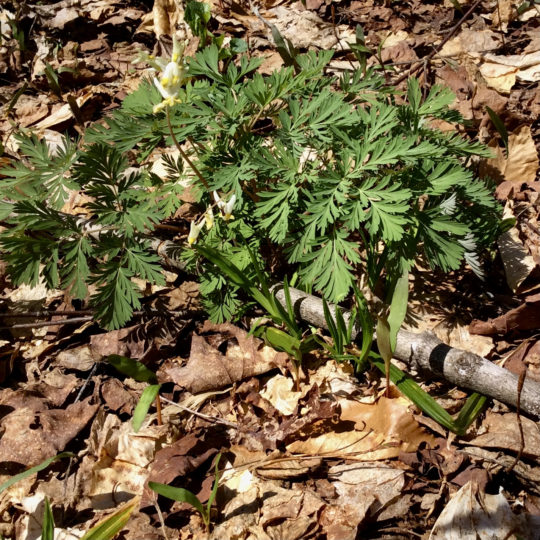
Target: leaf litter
332, 459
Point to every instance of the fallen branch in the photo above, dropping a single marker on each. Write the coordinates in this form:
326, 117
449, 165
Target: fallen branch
426, 353
423, 352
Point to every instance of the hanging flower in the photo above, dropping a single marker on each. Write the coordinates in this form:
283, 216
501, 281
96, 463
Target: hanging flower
171, 75
225, 207
194, 232
228, 208
209, 218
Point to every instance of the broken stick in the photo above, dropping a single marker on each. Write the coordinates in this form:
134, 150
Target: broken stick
423, 352
426, 353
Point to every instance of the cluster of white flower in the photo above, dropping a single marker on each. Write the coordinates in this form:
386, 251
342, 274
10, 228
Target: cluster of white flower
171, 74
226, 209
171, 78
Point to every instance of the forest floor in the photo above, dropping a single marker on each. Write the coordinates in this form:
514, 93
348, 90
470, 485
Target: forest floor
337, 459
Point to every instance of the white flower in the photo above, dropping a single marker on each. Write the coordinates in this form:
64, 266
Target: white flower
225, 207
171, 75
228, 208
170, 82
218, 200
209, 218
194, 232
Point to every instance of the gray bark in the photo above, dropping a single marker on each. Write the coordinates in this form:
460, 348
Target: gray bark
423, 352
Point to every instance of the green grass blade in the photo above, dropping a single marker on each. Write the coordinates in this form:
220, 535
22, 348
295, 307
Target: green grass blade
47, 529
383, 339
215, 486
499, 126
37, 468
238, 278
110, 527
180, 495
340, 321
141, 410
132, 368
398, 307
472, 408
330, 323
342, 329
366, 323
280, 340
293, 327
350, 327
420, 398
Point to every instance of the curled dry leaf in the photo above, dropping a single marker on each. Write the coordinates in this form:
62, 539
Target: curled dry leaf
267, 511
501, 431
526, 66
368, 431
209, 369
306, 29
31, 436
125, 342
524, 317
362, 488
279, 392
181, 458
166, 15
473, 514
119, 460
292, 514
517, 261
499, 77
520, 164
313, 415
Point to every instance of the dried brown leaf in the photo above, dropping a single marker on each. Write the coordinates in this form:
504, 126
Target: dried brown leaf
502, 431
517, 261
32, 436
521, 163
367, 431
473, 514
524, 317
209, 369
363, 488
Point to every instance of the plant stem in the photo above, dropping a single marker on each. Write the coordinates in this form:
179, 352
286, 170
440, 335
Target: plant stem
158, 410
183, 154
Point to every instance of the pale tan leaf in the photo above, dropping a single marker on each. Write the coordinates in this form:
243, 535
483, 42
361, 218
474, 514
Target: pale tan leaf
517, 261
472, 514
498, 76
521, 163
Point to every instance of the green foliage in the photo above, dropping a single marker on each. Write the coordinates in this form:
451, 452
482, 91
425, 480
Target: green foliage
336, 175
112, 525
149, 395
47, 529
29, 472
138, 371
184, 495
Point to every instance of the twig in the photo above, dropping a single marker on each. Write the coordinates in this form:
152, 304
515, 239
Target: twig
77, 398
81, 391
521, 381
158, 410
450, 35
41, 324
45, 313
160, 515
422, 351
206, 417
500, 23
336, 35
74, 320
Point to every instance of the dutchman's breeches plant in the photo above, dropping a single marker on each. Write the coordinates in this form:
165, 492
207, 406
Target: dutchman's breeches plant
334, 177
